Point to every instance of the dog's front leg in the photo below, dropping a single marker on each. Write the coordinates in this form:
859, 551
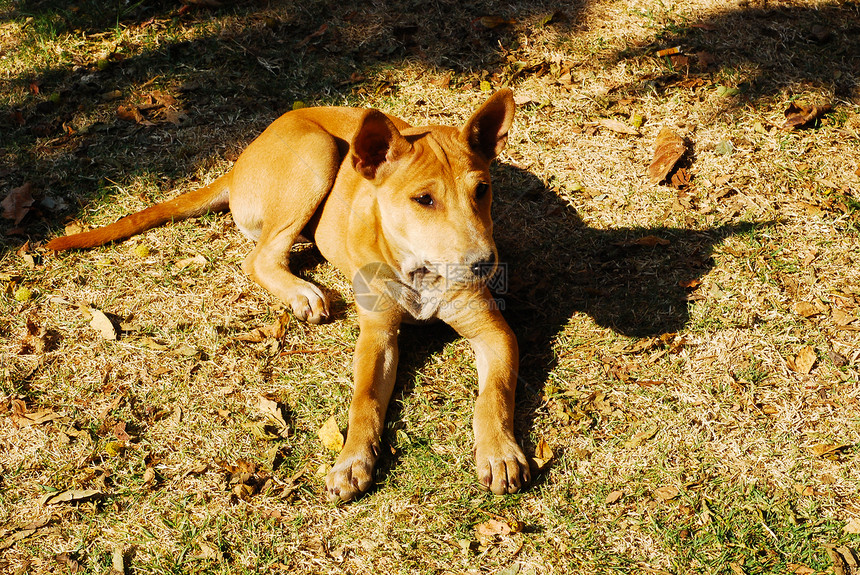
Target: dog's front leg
502, 467
375, 367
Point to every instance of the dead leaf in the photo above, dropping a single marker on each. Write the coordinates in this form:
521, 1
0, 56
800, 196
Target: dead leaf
799, 569
330, 435
130, 114
493, 528
272, 411
805, 360
117, 561
69, 561
641, 436
491, 22
16, 205
102, 324
799, 115
806, 309
681, 179
38, 417
841, 318
667, 492
844, 560
853, 526
70, 496
668, 149
543, 455
275, 330
824, 449
706, 59
618, 126
614, 496
196, 260
24, 531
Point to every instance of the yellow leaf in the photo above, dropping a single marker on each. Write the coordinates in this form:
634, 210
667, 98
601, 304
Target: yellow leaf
330, 435
486, 86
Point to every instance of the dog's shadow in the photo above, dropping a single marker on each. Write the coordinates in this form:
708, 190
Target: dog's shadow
631, 280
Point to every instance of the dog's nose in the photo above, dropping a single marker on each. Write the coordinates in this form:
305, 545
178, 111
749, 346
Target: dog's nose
483, 268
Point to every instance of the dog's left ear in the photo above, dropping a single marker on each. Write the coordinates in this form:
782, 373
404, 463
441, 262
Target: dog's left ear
376, 145
486, 132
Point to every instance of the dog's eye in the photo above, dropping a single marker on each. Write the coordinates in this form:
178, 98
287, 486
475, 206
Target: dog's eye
424, 200
481, 190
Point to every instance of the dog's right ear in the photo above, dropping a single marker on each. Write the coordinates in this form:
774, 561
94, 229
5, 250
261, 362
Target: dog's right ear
376, 145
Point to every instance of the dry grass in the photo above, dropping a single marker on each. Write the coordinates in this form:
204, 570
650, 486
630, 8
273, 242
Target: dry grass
731, 454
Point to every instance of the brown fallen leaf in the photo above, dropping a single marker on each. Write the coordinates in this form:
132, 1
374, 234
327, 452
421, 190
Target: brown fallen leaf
17, 203
130, 114
824, 449
799, 115
493, 528
853, 526
641, 436
330, 435
805, 360
799, 569
614, 496
668, 149
667, 492
70, 496
841, 318
272, 411
275, 330
198, 260
37, 417
491, 22
543, 455
681, 179
102, 324
618, 126
806, 309
844, 561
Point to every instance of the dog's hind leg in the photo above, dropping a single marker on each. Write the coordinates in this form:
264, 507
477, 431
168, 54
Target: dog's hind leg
297, 175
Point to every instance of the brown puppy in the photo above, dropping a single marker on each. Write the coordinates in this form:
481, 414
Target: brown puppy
403, 211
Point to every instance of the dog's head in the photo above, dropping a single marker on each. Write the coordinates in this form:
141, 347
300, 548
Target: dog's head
433, 192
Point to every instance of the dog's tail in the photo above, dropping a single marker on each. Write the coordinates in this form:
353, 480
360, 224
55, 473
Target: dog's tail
211, 198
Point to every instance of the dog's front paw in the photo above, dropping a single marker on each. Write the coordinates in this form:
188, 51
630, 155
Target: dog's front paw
351, 475
502, 466
308, 302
